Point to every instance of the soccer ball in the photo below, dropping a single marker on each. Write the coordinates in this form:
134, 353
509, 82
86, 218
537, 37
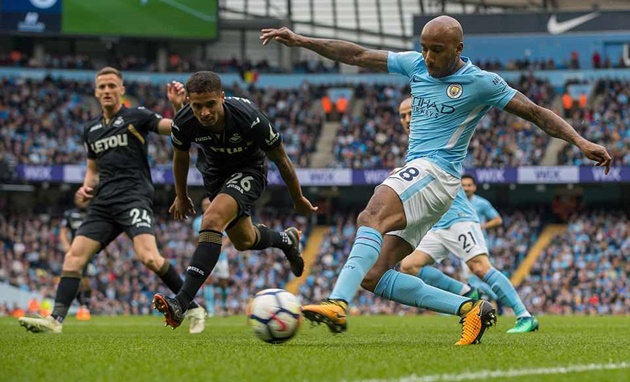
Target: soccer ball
274, 315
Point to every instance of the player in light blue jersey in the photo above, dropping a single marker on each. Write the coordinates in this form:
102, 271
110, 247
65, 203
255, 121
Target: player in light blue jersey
459, 232
221, 271
488, 215
489, 219
449, 95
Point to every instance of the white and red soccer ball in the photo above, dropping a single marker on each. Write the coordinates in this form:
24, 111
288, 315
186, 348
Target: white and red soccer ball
274, 315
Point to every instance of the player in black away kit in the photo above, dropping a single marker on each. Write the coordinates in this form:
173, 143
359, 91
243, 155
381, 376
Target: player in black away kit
235, 138
119, 187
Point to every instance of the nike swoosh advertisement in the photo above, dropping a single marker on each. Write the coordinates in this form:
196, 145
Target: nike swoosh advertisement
545, 23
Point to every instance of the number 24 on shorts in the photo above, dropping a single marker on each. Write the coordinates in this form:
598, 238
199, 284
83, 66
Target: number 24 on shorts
140, 219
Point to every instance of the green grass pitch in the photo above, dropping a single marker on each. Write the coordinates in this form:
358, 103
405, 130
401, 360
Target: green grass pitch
380, 348
156, 18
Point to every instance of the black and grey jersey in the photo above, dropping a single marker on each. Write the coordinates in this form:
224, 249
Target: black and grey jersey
247, 135
120, 150
72, 219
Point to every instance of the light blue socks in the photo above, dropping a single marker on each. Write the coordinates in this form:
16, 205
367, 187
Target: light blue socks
505, 292
364, 253
438, 279
412, 291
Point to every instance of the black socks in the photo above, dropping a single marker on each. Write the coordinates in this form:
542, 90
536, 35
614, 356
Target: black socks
201, 265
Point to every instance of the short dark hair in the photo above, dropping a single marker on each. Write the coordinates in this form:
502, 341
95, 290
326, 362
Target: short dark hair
109, 70
468, 176
204, 82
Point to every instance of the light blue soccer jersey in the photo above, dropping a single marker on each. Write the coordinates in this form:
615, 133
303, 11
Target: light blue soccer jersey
483, 208
197, 227
445, 111
461, 211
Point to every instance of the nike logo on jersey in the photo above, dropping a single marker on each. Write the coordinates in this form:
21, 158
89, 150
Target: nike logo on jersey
557, 27
273, 136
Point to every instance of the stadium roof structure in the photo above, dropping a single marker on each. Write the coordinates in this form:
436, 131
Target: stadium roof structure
382, 23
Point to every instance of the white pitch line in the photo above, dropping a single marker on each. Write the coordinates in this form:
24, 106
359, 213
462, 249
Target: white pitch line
190, 11
511, 373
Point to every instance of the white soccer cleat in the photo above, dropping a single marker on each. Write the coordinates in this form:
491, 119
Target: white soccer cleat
41, 325
197, 317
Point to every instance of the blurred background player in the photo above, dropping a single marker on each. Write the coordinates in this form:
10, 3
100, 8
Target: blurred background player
490, 219
70, 223
221, 271
119, 187
235, 138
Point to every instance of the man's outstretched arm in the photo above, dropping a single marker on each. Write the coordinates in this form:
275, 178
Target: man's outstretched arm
336, 50
557, 127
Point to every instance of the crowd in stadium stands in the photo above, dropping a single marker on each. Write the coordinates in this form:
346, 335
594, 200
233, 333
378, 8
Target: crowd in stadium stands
374, 139
605, 120
586, 270
41, 121
174, 64
533, 64
31, 259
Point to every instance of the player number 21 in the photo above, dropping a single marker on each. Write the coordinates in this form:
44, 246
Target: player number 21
245, 182
466, 245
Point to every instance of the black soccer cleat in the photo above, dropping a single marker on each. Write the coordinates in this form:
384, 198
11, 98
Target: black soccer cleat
170, 308
293, 254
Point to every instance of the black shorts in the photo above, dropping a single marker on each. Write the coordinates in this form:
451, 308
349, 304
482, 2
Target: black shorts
105, 223
244, 185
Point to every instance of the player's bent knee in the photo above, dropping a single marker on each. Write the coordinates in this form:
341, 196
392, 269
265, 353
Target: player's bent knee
74, 261
243, 244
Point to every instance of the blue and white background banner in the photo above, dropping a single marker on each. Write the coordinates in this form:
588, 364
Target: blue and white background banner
348, 177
